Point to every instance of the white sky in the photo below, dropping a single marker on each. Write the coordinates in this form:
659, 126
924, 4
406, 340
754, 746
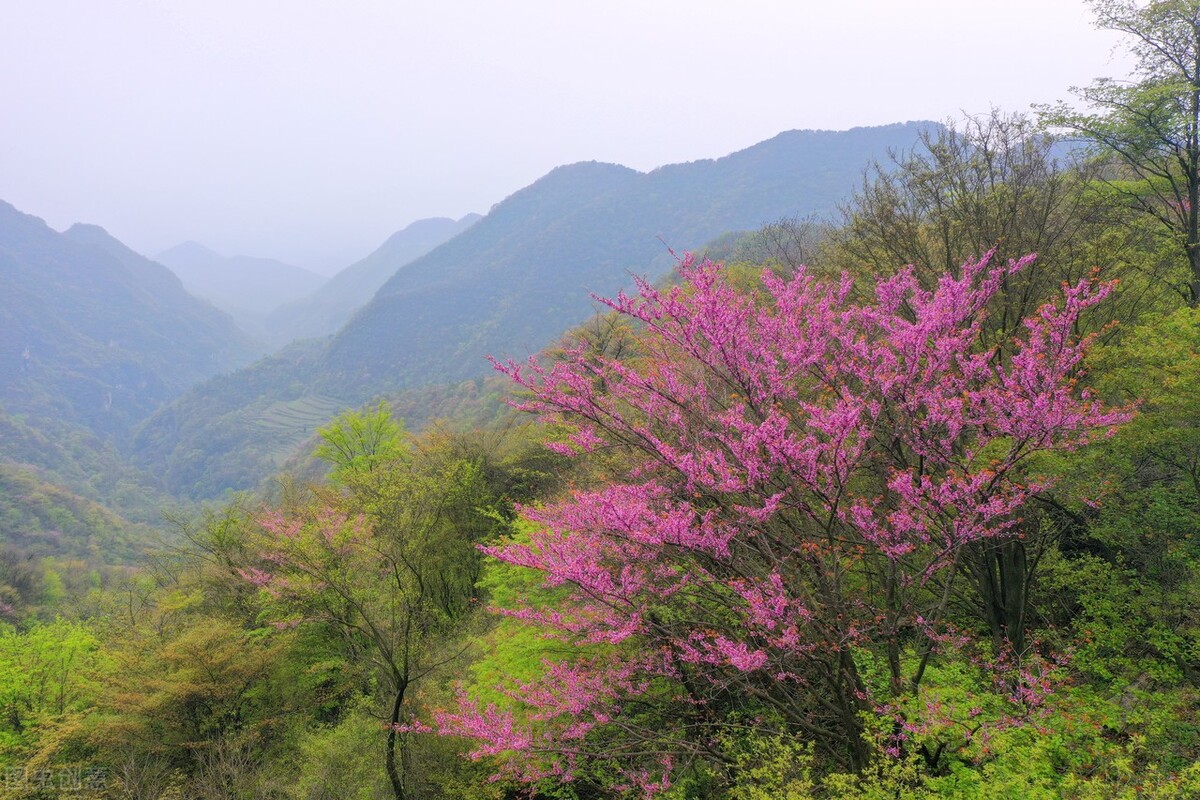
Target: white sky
310, 131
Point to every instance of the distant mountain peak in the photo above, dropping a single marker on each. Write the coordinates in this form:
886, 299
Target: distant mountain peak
188, 249
585, 170
247, 287
87, 229
87, 233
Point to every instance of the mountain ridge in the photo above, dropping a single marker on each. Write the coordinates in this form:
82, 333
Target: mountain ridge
246, 287
604, 220
327, 308
507, 286
97, 334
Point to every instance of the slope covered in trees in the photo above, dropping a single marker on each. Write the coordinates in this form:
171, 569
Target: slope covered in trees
521, 275
887, 507
846, 530
236, 429
39, 519
93, 334
509, 285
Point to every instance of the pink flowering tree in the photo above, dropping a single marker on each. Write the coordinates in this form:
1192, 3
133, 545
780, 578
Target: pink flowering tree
805, 474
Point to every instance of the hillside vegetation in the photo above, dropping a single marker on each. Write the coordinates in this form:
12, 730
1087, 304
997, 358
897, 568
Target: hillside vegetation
508, 285
93, 334
900, 501
811, 524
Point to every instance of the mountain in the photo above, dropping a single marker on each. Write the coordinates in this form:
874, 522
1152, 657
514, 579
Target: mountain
521, 276
93, 334
234, 430
247, 288
331, 305
507, 286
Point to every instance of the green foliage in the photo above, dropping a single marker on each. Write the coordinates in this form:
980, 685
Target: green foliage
771, 768
387, 566
76, 460
1088, 747
193, 700
1148, 127
1157, 363
47, 672
40, 519
188, 680
1137, 595
341, 761
362, 445
510, 651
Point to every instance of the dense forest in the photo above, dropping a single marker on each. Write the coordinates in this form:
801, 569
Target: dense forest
902, 501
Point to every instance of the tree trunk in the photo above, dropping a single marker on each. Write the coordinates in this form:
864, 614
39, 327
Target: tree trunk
393, 736
1192, 237
1002, 581
1194, 284
852, 693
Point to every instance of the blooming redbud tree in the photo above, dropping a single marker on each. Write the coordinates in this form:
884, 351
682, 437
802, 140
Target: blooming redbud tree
806, 471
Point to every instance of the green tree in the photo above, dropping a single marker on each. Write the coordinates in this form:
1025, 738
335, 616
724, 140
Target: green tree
1147, 534
994, 182
389, 565
360, 444
46, 672
1150, 127
195, 695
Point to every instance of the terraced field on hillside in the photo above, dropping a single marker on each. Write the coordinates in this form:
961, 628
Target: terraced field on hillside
291, 422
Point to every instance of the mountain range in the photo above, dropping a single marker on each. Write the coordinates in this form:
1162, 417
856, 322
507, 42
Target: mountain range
506, 286
94, 334
523, 274
245, 287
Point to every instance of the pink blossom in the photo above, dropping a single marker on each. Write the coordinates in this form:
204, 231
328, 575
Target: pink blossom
793, 454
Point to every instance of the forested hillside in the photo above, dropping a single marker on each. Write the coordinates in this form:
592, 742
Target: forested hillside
93, 338
328, 308
508, 285
93, 334
522, 274
827, 521
898, 502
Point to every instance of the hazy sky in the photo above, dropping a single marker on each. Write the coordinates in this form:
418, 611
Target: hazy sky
310, 131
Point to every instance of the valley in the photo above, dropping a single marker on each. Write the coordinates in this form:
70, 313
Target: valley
850, 464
